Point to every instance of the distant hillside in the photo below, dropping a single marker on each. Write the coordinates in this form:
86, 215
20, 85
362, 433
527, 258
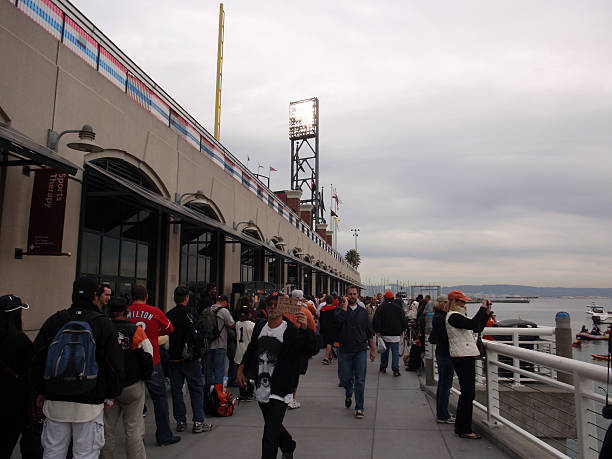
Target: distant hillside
503, 290
526, 290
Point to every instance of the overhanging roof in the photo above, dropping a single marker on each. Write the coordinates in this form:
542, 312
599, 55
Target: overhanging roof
35, 154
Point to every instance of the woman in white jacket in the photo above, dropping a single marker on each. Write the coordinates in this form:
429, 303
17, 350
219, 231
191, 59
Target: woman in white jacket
464, 351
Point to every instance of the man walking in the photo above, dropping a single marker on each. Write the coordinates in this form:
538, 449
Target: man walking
155, 323
73, 402
185, 364
389, 323
138, 365
272, 359
355, 333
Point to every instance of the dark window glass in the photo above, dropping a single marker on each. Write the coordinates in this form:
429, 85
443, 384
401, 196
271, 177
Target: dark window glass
110, 256
142, 260
90, 253
128, 259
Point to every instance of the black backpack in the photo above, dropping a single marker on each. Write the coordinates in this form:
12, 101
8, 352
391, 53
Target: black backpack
197, 346
209, 324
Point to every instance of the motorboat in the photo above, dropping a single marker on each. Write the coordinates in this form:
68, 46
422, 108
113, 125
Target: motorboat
594, 309
590, 337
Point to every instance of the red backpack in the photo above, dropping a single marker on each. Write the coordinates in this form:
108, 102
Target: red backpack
219, 403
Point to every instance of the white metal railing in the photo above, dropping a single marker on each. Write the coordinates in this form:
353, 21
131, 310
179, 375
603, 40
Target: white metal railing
544, 342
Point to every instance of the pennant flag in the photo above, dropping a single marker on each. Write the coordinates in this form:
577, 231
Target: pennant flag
272, 169
333, 214
248, 158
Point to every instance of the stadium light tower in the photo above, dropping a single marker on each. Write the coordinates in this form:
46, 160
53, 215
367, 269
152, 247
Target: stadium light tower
304, 136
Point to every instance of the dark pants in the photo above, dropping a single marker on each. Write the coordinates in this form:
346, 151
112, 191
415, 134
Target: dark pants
275, 435
192, 372
445, 382
158, 392
10, 434
353, 375
465, 367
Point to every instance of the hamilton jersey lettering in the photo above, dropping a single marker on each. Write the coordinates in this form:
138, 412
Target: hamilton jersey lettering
139, 314
153, 321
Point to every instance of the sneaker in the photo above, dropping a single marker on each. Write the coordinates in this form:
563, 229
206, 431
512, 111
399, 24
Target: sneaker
172, 441
294, 404
382, 370
396, 373
359, 414
348, 401
144, 411
181, 426
450, 420
326, 361
247, 398
199, 427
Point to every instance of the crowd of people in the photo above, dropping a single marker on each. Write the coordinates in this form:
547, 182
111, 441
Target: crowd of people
90, 365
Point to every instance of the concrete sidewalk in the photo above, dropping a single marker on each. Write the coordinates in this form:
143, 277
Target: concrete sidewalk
399, 423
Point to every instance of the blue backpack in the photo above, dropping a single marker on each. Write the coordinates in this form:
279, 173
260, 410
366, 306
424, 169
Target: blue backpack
71, 367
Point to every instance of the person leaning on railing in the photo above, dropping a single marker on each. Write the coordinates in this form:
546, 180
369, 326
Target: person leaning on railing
464, 351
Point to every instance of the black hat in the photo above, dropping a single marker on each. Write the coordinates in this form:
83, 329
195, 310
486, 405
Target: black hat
84, 288
222, 298
244, 310
118, 305
9, 303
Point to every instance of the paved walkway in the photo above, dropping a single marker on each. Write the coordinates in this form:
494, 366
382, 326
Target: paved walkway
399, 423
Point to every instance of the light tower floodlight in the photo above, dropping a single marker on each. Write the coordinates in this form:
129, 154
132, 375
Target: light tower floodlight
304, 131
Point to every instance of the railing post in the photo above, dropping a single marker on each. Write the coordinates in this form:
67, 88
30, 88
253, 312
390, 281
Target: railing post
563, 342
492, 387
585, 418
429, 354
516, 377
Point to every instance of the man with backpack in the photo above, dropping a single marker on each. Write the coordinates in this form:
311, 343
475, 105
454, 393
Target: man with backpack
82, 338
185, 363
216, 320
155, 323
138, 366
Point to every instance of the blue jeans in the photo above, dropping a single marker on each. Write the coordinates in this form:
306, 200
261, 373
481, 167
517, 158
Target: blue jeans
445, 382
353, 374
192, 372
215, 366
384, 357
157, 390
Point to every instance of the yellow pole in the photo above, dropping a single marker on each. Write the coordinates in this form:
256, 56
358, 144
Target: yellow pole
219, 73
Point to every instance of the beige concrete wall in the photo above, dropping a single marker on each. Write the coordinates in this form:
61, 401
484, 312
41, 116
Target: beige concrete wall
44, 85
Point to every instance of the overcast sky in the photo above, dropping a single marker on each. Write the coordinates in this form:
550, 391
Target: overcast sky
471, 142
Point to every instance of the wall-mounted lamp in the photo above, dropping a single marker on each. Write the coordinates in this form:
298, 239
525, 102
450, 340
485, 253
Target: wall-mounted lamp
86, 139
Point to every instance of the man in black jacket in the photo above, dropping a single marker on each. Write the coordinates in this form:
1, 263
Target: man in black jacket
185, 364
273, 359
78, 416
355, 333
389, 323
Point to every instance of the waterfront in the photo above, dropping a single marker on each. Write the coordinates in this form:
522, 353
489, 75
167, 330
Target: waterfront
542, 311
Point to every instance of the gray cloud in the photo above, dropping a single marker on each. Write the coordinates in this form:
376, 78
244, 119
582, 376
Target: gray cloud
470, 141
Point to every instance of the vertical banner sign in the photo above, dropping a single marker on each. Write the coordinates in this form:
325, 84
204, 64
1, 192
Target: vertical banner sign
47, 211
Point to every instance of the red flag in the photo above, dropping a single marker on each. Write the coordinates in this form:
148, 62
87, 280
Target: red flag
272, 169
333, 214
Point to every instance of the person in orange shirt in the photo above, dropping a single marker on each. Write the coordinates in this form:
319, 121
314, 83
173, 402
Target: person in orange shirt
293, 404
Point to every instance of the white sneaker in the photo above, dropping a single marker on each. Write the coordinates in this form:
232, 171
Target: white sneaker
294, 404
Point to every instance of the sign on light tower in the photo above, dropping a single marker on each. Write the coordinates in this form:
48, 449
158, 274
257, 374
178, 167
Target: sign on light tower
219, 72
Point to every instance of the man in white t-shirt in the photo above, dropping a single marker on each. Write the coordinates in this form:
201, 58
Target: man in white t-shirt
244, 331
272, 359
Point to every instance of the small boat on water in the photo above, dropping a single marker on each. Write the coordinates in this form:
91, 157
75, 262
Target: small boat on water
600, 356
588, 336
599, 314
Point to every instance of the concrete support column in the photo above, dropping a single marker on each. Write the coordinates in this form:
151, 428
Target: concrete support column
563, 342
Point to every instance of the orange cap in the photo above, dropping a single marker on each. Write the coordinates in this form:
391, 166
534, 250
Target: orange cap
389, 294
457, 295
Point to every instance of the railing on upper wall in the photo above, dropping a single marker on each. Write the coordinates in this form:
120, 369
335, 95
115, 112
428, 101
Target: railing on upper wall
69, 26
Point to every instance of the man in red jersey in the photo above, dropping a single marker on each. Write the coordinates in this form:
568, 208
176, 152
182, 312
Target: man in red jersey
155, 323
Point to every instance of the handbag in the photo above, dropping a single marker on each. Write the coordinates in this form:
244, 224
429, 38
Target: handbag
380, 345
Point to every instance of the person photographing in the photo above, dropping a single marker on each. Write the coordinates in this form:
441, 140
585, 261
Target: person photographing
464, 351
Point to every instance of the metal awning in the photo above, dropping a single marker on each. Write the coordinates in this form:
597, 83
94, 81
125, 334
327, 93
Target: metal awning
182, 213
31, 153
179, 212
